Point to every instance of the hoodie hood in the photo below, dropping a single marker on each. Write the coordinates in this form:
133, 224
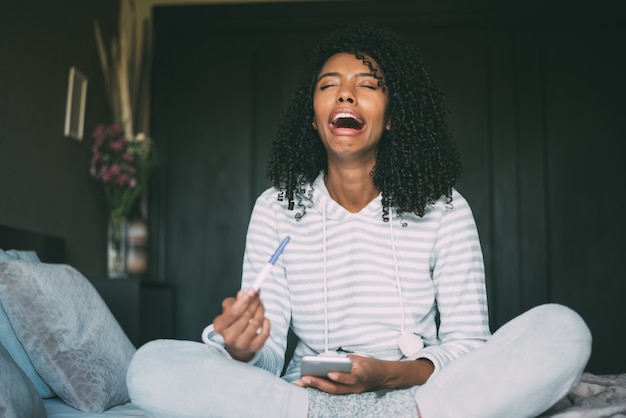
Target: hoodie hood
317, 198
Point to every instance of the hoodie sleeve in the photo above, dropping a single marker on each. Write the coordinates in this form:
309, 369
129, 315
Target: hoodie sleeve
459, 279
263, 237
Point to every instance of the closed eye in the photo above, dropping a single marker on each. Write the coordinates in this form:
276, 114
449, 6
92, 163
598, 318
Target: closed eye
368, 81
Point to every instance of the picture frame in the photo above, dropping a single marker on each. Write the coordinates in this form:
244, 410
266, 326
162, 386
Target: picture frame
75, 106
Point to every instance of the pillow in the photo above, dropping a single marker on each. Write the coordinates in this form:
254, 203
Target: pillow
18, 396
71, 337
10, 341
15, 349
18, 255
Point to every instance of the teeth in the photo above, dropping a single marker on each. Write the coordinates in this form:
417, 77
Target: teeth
347, 120
345, 115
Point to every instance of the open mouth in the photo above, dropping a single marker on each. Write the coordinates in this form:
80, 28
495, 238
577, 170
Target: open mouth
346, 120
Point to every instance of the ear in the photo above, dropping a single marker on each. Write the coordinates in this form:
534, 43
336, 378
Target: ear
388, 125
314, 125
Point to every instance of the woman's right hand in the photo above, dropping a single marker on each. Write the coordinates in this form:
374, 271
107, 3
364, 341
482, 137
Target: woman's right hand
243, 324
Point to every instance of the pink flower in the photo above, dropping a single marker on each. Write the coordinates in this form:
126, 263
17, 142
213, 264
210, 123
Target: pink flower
121, 180
115, 129
115, 170
121, 164
118, 146
105, 174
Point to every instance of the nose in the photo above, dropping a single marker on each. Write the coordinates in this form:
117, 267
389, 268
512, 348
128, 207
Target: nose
346, 95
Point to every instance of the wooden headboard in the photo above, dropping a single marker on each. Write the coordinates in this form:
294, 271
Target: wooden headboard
49, 249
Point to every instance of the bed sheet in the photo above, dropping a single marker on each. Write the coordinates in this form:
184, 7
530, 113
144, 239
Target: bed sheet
55, 408
595, 396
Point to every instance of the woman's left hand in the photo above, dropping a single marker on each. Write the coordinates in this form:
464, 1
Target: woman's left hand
368, 374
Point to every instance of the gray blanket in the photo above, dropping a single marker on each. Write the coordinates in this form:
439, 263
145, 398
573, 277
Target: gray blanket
595, 396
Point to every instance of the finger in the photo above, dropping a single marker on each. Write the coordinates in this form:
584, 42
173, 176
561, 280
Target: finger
242, 331
352, 378
261, 336
227, 303
258, 310
233, 308
250, 339
252, 330
253, 316
245, 299
325, 385
343, 378
236, 316
223, 320
257, 321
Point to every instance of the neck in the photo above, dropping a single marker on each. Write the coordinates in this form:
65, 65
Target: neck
352, 189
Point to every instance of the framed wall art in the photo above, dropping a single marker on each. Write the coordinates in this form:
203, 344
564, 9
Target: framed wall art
75, 107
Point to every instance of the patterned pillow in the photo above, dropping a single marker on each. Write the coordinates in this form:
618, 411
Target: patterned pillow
8, 338
71, 337
18, 396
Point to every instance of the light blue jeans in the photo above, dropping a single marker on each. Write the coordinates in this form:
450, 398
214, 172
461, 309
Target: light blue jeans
525, 367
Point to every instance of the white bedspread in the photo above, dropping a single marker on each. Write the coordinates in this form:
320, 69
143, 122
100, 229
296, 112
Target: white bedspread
593, 397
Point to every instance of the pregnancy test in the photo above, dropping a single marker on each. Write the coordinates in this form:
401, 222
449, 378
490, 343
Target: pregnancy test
266, 268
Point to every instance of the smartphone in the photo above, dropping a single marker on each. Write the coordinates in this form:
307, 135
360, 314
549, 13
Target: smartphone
321, 365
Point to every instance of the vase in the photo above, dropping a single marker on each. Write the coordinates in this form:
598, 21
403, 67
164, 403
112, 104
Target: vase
116, 252
137, 247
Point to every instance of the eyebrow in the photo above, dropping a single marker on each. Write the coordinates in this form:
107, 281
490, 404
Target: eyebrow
337, 74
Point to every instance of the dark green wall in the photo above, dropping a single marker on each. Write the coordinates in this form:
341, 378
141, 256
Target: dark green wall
44, 177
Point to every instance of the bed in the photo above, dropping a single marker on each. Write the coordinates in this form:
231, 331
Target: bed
62, 353
92, 382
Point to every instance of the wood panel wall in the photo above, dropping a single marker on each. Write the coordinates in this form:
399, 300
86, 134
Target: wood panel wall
536, 101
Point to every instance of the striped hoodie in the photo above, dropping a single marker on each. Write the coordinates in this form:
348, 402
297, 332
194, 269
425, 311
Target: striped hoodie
348, 280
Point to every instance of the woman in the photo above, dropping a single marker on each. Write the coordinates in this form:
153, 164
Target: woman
384, 266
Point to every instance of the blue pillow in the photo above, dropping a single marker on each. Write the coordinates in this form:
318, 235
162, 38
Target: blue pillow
18, 255
4, 256
8, 338
18, 397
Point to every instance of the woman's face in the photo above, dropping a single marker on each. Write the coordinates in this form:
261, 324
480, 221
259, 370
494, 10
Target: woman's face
350, 108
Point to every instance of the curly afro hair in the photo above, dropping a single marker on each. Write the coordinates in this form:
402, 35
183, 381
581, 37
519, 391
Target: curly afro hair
417, 161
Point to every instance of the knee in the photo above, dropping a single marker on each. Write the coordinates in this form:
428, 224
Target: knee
150, 369
164, 374
562, 320
563, 327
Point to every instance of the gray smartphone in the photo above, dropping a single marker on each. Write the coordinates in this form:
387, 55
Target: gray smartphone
321, 365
